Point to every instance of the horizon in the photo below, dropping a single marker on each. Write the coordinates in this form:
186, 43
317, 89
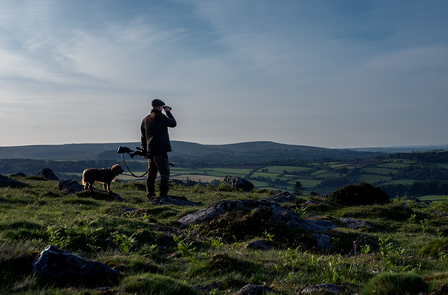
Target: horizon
243, 142
332, 74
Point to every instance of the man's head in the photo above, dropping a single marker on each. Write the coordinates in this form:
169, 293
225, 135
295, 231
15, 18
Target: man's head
157, 104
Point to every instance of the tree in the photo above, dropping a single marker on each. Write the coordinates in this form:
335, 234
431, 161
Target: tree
298, 188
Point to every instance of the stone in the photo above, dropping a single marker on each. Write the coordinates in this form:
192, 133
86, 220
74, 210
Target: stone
322, 287
6, 181
238, 183
72, 186
323, 242
20, 174
281, 215
258, 245
55, 263
47, 174
253, 289
177, 201
352, 223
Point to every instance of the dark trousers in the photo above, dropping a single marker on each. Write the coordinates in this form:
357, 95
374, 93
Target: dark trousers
158, 163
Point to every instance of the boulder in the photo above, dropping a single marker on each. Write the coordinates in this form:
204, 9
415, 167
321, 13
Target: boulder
20, 174
238, 183
323, 242
47, 174
322, 287
352, 223
55, 263
280, 215
177, 201
258, 245
72, 186
253, 289
6, 181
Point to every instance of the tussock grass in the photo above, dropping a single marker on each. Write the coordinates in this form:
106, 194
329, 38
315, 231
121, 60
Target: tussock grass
156, 256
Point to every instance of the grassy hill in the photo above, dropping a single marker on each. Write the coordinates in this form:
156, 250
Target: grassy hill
254, 150
404, 246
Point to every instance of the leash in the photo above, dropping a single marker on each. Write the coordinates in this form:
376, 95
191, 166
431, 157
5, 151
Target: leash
124, 162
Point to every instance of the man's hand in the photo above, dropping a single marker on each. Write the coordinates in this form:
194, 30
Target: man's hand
167, 108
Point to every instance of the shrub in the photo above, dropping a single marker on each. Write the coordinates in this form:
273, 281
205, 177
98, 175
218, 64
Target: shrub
395, 283
362, 193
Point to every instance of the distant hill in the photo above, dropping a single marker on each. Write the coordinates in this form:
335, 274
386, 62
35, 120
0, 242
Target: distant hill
238, 152
247, 151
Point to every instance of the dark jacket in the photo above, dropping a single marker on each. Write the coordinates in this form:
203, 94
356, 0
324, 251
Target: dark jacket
155, 138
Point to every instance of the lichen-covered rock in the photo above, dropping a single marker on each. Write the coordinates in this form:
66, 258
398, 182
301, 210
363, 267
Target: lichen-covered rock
352, 223
323, 241
70, 186
279, 214
322, 287
53, 263
177, 201
238, 183
6, 181
253, 289
47, 173
258, 245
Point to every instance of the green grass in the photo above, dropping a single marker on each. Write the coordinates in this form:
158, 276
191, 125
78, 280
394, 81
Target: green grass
405, 238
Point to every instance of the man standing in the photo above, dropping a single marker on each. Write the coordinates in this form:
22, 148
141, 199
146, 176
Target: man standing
156, 142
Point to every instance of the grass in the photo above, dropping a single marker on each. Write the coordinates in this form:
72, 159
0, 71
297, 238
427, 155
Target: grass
155, 256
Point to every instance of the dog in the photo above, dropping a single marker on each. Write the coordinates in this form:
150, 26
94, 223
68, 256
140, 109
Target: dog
105, 176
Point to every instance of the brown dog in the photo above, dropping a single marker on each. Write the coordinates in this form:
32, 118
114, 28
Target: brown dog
105, 176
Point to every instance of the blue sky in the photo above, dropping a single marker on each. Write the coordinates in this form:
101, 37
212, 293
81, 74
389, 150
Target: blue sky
328, 73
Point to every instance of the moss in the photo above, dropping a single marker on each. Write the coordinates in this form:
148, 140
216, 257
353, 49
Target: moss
434, 248
395, 283
156, 284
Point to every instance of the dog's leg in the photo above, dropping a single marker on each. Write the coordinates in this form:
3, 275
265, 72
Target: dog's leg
106, 186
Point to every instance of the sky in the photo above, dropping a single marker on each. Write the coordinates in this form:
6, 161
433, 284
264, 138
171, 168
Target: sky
326, 73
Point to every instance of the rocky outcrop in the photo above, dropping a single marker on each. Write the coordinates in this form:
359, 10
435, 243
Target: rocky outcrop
6, 181
253, 289
53, 262
238, 183
47, 174
72, 186
281, 215
177, 201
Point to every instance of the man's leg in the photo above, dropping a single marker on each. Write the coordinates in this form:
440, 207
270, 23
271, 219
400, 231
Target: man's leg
151, 178
163, 166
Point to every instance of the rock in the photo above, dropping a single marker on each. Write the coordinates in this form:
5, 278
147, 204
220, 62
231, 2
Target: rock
238, 183
72, 186
177, 201
47, 174
322, 287
281, 215
253, 289
323, 242
280, 198
258, 245
20, 174
6, 181
352, 223
53, 262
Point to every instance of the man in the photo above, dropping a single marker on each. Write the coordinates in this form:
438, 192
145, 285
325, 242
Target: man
156, 142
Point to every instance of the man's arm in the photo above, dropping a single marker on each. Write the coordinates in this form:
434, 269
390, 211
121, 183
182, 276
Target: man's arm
169, 119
